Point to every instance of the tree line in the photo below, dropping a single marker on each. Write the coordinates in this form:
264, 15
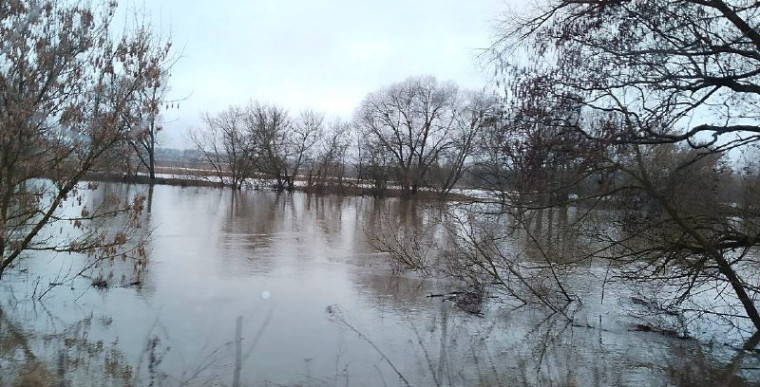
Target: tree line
416, 134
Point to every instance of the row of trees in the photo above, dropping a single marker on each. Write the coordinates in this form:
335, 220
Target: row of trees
263, 140
419, 133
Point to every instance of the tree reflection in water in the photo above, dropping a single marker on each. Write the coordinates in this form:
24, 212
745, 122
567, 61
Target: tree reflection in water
214, 254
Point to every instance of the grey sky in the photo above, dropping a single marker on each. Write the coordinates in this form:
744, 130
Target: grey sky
323, 55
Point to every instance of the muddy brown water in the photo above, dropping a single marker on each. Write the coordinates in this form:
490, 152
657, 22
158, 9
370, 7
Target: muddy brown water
318, 305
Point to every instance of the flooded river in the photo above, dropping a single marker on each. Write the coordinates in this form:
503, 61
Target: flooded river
284, 289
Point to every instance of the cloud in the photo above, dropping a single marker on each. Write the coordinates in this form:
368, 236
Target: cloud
321, 55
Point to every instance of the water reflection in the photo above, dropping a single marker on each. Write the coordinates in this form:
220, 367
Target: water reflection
286, 263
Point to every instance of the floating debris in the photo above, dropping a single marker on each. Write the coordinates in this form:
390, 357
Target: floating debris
99, 283
470, 300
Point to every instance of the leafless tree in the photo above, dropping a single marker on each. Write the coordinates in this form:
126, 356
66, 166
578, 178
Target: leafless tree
424, 131
68, 90
226, 145
306, 132
475, 113
413, 122
328, 167
145, 144
644, 75
280, 145
267, 126
375, 166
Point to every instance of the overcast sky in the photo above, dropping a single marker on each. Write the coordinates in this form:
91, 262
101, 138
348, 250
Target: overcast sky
323, 55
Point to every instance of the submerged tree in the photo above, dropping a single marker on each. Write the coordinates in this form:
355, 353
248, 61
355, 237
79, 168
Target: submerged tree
306, 132
645, 75
281, 145
259, 141
330, 160
226, 146
419, 125
69, 88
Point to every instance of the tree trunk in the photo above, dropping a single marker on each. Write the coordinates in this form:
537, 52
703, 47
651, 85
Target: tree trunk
739, 289
152, 165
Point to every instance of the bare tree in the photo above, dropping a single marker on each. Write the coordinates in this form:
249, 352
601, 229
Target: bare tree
475, 113
644, 75
68, 90
268, 127
307, 130
329, 165
281, 146
226, 145
145, 144
413, 122
376, 166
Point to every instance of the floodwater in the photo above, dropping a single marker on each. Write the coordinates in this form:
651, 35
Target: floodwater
317, 305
